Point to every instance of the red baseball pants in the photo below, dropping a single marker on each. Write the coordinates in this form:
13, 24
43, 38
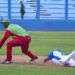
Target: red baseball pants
19, 41
16, 41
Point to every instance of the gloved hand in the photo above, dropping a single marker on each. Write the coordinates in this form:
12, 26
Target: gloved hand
45, 60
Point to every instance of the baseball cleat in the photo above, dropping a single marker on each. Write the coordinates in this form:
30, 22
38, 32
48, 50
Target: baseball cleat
6, 62
33, 60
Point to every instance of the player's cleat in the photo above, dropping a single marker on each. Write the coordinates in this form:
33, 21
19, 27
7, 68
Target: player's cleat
6, 62
33, 60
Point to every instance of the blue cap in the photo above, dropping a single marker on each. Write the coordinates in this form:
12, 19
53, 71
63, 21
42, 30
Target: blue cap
51, 55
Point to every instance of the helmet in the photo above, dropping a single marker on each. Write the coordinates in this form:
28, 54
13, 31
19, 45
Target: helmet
56, 53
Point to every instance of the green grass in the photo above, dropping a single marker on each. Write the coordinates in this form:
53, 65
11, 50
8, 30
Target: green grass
19, 69
45, 41
42, 43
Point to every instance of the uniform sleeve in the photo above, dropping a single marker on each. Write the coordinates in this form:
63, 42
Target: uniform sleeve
55, 61
6, 35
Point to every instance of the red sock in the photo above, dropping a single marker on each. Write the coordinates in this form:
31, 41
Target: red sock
9, 53
31, 55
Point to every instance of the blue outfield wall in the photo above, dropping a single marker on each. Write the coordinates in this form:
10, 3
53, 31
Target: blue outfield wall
45, 25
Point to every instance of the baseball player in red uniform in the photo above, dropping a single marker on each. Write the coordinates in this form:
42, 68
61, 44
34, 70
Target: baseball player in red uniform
20, 38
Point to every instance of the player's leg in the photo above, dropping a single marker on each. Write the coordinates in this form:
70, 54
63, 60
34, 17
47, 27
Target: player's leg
10, 44
25, 48
69, 58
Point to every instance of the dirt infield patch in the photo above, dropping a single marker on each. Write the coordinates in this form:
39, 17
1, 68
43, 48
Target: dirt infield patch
22, 59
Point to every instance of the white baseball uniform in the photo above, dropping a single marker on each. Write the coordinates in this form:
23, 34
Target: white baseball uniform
58, 58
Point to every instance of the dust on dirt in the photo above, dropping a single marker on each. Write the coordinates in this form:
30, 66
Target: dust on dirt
22, 59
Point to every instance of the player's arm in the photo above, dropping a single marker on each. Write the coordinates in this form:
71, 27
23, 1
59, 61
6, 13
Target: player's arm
6, 35
46, 60
49, 57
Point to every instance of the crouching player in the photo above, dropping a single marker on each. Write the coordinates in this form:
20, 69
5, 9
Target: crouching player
58, 58
20, 38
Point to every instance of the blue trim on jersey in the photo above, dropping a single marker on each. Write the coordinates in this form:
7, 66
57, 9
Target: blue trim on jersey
51, 56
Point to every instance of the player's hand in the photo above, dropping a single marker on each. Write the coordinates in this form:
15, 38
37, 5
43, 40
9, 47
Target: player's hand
45, 60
